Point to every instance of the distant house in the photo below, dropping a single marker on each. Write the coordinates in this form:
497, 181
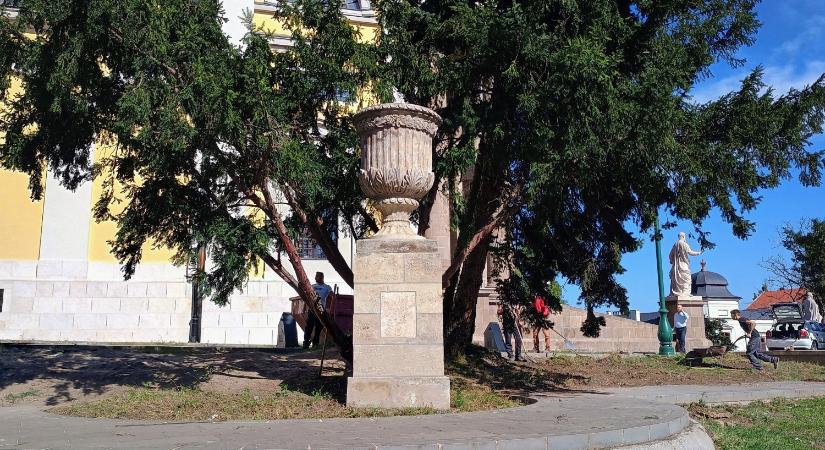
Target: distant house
768, 298
760, 310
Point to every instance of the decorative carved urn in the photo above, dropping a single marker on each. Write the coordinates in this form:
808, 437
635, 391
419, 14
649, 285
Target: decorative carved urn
396, 162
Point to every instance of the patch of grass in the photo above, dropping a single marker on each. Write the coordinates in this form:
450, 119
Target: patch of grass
781, 423
622, 370
188, 403
481, 367
17, 396
467, 397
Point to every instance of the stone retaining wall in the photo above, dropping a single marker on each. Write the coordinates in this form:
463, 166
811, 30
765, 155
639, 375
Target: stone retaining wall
620, 334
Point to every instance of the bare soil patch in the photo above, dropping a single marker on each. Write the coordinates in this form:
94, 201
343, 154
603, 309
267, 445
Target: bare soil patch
576, 372
210, 384
53, 376
622, 370
203, 384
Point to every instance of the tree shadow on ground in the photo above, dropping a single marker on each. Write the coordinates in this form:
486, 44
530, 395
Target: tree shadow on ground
65, 373
490, 369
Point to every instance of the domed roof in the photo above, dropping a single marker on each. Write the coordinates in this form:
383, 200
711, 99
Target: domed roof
704, 278
711, 285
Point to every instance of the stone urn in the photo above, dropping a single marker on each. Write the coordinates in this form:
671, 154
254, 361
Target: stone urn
396, 162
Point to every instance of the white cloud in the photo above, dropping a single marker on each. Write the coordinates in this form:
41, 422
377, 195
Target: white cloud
781, 77
812, 31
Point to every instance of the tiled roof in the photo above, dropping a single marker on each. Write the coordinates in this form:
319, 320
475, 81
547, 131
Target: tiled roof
768, 298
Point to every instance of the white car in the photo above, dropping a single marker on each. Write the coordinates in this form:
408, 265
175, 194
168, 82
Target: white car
792, 332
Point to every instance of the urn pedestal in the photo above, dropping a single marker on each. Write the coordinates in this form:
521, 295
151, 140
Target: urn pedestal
398, 346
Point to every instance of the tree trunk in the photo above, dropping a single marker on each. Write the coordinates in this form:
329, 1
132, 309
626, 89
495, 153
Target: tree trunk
486, 202
315, 227
300, 282
460, 320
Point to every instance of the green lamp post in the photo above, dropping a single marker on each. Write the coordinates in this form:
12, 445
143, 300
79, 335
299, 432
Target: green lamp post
665, 331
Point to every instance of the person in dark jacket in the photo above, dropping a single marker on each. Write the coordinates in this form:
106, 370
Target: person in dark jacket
315, 326
754, 342
510, 316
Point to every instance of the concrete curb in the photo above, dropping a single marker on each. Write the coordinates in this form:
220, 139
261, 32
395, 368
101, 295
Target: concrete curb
694, 437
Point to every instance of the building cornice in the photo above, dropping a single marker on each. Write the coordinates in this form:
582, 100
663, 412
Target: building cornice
364, 16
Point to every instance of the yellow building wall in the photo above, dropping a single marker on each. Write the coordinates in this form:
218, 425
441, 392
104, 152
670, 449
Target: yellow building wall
100, 233
265, 22
20, 218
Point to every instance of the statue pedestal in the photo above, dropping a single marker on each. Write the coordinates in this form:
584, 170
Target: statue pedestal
398, 345
695, 308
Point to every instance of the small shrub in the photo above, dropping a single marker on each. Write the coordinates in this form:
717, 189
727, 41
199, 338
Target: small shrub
713, 331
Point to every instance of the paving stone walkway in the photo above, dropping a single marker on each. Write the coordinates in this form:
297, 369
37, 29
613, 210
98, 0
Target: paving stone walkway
571, 420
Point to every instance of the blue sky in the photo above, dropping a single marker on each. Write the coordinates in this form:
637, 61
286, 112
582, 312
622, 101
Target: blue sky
790, 46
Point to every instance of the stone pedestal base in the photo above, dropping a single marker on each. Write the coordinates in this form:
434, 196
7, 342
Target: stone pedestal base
399, 392
397, 337
695, 308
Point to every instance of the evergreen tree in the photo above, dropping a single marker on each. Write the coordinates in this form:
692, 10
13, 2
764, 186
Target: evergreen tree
575, 121
207, 139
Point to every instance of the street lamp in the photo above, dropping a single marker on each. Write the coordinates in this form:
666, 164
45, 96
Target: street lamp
665, 331
197, 301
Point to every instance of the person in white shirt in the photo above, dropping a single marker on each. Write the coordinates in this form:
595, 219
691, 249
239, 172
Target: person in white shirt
314, 324
680, 322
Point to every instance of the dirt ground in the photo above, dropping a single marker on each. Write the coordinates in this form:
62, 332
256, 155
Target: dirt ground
618, 371
50, 376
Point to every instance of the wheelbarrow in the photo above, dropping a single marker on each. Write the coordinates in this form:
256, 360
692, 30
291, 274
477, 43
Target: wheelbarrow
697, 355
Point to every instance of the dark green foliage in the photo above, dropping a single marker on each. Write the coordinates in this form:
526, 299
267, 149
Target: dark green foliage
807, 264
205, 134
576, 121
713, 331
208, 140
571, 121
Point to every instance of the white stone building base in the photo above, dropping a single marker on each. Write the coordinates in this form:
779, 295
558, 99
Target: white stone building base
67, 301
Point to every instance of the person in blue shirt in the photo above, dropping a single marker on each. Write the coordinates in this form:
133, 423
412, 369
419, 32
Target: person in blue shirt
680, 322
314, 324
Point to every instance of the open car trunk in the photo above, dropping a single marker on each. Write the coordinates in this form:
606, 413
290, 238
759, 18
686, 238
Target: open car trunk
788, 320
787, 312
786, 330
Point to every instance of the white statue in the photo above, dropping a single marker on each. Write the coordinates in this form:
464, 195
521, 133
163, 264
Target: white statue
680, 267
810, 310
